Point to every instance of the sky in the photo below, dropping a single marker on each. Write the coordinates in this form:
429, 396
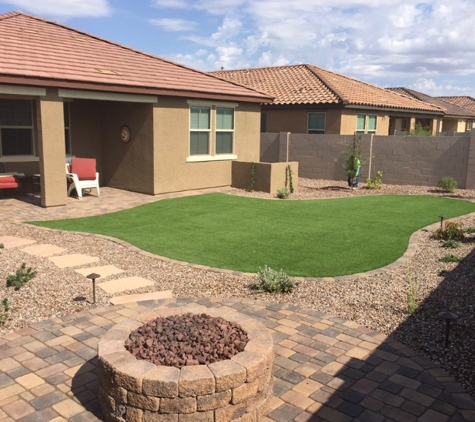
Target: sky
423, 45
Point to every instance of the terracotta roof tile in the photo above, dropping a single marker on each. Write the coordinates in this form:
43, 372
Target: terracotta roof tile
451, 110
308, 84
461, 101
32, 47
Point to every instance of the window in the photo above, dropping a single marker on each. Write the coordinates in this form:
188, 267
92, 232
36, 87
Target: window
316, 123
16, 127
224, 130
469, 125
67, 128
199, 130
263, 122
361, 123
372, 122
404, 124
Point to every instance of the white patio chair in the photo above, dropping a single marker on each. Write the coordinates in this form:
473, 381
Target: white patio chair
82, 174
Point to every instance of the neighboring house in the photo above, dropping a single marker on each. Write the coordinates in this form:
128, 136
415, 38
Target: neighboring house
67, 93
309, 99
455, 119
464, 101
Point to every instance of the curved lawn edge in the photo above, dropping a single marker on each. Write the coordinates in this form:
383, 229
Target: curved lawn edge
402, 261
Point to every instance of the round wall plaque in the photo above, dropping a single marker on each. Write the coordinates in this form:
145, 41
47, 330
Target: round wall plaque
125, 134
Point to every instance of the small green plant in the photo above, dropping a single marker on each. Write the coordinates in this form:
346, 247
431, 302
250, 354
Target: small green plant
419, 130
4, 308
283, 193
377, 182
469, 230
450, 244
21, 276
352, 157
450, 257
250, 187
1, 246
288, 178
450, 231
413, 290
447, 184
272, 281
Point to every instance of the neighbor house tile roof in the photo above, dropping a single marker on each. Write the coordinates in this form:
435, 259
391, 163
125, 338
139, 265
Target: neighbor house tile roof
464, 101
451, 110
308, 84
39, 52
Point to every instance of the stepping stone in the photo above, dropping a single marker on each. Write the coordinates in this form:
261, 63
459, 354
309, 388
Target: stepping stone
14, 242
104, 271
73, 260
43, 250
121, 284
119, 300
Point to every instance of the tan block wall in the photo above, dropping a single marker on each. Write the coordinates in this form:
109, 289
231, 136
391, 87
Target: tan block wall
171, 126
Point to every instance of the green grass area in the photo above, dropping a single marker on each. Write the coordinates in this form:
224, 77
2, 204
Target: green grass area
313, 238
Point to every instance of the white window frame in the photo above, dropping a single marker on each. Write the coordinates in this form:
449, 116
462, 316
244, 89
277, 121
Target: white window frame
317, 131
212, 155
365, 123
224, 130
193, 130
26, 157
376, 126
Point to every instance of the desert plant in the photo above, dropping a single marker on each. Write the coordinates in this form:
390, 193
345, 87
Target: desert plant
289, 179
420, 130
21, 276
377, 182
283, 193
1, 246
447, 184
352, 156
413, 290
450, 231
450, 257
469, 230
250, 187
450, 244
272, 281
4, 308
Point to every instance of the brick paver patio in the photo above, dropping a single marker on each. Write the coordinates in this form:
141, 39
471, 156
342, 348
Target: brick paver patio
326, 368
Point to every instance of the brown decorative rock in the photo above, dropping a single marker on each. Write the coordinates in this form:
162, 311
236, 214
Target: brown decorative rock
236, 389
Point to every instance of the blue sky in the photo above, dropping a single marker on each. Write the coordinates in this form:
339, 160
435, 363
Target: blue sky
424, 45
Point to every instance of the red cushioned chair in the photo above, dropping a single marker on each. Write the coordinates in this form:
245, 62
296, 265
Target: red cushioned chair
9, 182
82, 175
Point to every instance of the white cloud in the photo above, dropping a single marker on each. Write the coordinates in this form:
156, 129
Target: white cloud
431, 87
178, 4
63, 8
174, 24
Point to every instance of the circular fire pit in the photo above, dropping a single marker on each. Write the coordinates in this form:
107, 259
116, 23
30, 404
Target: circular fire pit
136, 390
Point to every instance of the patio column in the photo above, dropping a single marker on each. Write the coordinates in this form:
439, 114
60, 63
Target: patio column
435, 126
52, 150
412, 123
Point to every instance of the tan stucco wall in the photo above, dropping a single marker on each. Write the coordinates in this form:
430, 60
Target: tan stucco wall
171, 139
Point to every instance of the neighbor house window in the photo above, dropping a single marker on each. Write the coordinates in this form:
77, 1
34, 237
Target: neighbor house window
16, 127
372, 122
263, 122
67, 128
316, 123
200, 118
361, 123
469, 125
224, 130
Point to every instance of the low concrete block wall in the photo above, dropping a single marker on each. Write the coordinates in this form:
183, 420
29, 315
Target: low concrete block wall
268, 177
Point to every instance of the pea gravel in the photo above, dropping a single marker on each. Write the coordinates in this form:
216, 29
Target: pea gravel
378, 301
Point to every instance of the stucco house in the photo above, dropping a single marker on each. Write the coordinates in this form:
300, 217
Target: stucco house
309, 99
464, 101
67, 93
455, 118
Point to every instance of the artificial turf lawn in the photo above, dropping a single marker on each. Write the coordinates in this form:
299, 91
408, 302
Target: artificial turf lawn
313, 238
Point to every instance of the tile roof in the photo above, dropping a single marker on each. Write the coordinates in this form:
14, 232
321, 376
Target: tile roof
308, 84
450, 109
39, 52
462, 101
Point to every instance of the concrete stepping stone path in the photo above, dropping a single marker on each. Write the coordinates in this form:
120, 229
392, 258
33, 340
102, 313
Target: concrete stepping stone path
14, 242
103, 271
73, 260
119, 300
43, 250
122, 284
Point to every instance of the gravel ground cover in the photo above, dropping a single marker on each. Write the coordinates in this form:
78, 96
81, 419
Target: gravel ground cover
378, 301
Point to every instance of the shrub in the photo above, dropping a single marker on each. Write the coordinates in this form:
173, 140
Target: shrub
289, 178
469, 230
413, 290
21, 276
271, 281
352, 156
4, 308
250, 187
377, 182
450, 231
420, 130
450, 257
447, 184
283, 193
451, 244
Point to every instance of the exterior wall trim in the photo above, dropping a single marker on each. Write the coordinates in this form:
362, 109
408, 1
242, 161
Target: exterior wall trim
220, 157
22, 90
106, 96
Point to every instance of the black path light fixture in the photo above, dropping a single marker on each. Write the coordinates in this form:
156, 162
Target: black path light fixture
441, 216
93, 277
447, 316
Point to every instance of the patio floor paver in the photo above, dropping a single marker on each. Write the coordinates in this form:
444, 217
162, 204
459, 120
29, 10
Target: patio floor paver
44, 250
60, 381
73, 260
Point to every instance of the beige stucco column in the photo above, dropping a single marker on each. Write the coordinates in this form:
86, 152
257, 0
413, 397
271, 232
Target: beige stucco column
434, 126
52, 150
412, 123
